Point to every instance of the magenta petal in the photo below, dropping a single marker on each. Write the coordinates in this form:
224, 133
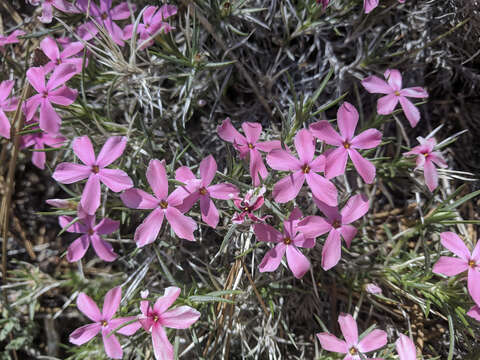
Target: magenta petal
162, 348
111, 302
473, 284
252, 131
83, 148
347, 119
336, 162
111, 150
85, 333
78, 248
374, 340
208, 169
72, 49
103, 248
330, 342
127, 330
268, 146
257, 167
68, 173
405, 348
265, 232
32, 105
364, 167
348, 232
107, 226
476, 253
180, 318
367, 139
157, 178
116, 180
332, 250
139, 199
288, 188
223, 191
148, 230
318, 164
121, 11
325, 132
272, 258
36, 77
61, 74
386, 104
163, 303
112, 345
348, 325
280, 159
394, 79
431, 175
415, 92
450, 266
38, 157
184, 174
411, 112
313, 226
209, 211
297, 262
77, 227
49, 120
355, 208
305, 145
373, 84
452, 242
63, 96
90, 200
227, 132
88, 307
182, 225
4, 125
6, 87
322, 188
474, 312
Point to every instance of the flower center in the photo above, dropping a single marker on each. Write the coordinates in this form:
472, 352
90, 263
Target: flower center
44, 94
104, 16
246, 208
471, 263
250, 146
155, 318
203, 191
336, 224
287, 241
353, 351
59, 61
425, 154
306, 169
397, 93
90, 232
95, 169
104, 323
163, 204
346, 145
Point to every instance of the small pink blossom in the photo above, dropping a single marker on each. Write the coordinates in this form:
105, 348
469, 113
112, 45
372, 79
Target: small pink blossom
95, 170
287, 242
336, 160
427, 158
249, 145
369, 5
53, 92
373, 289
62, 203
351, 346
163, 205
202, 190
304, 168
104, 322
252, 201
57, 57
451, 266
324, 3
337, 225
394, 93
405, 348
48, 5
6, 105
10, 39
155, 319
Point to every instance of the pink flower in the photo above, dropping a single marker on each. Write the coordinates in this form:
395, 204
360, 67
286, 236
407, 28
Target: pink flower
103, 16
393, 89
10, 39
427, 158
95, 170
201, 189
324, 3
54, 92
451, 266
6, 105
163, 205
405, 348
337, 224
104, 322
92, 233
47, 8
287, 242
336, 160
51, 50
153, 24
38, 141
62, 204
249, 145
252, 201
372, 288
304, 168
154, 319
351, 346
369, 5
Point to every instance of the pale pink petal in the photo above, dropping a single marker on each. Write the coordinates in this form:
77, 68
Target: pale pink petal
78, 227
280, 159
347, 119
68, 173
208, 169
296, 214
336, 162
127, 330
252, 131
348, 232
268, 146
148, 230
405, 348
313, 226
322, 188
61, 74
452, 242
437, 158
257, 167
87, 31
355, 208
223, 191
373, 84
411, 112
386, 104
332, 250
83, 148
139, 199
32, 105
111, 150
88, 307
4, 125
121, 11
473, 284
163, 303
304, 242
297, 262
367, 139
415, 92
364, 167
431, 175
116, 180
49, 120
476, 253
103, 248
148, 13
325, 132
47, 13
112, 345
63, 96
84, 334
111, 302
331, 212
162, 348
348, 326
474, 312
305, 146
272, 258
227, 132
39, 157
157, 178
180, 318
50, 48
78, 248
288, 188
209, 211
374, 340
318, 164
265, 232
106, 226
183, 226
6, 87
90, 200
184, 174
330, 342
72, 49
449, 266
36, 77
394, 79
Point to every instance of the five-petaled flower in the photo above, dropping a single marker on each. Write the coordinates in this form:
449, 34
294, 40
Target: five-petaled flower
427, 158
405, 348
351, 346
95, 170
154, 319
104, 322
57, 57
6, 105
337, 224
163, 205
287, 242
394, 93
303, 168
252, 201
249, 145
336, 160
48, 5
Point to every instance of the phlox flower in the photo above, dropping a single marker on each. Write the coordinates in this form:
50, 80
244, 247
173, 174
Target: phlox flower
57, 57
103, 15
369, 5
252, 201
394, 94
405, 348
287, 242
202, 190
427, 158
249, 145
95, 170
324, 3
153, 23
10, 39
163, 205
38, 141
303, 168
155, 319
451, 266
53, 92
91, 233
337, 224
103, 322
48, 5
6, 105
336, 160
351, 346
62, 204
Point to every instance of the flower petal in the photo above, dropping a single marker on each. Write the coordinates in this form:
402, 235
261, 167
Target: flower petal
415, 92
112, 345
347, 119
184, 174
85, 333
127, 330
79, 227
430, 174
88, 307
208, 169
63, 96
83, 148
116, 180
313, 226
348, 232
268, 146
50, 48
280, 159
61, 74
330, 342
394, 79
78, 248
367, 139
386, 104
180, 318
4, 125
148, 230
138, 199
183, 226
68, 173
209, 211
348, 325
157, 178
49, 120
374, 340
474, 312
36, 77
227, 132
224, 191
103, 248
322, 188
257, 167
305, 146
411, 112
369, 5
336, 162
272, 258
405, 348
90, 200
111, 150
162, 348
373, 84
332, 250
452, 242
297, 262
355, 208
364, 167
111, 302
288, 188
107, 226
163, 303
325, 132
449, 266
252, 131
267, 233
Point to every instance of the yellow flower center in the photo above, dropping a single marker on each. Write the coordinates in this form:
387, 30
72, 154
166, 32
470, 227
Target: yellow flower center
203, 191
472, 263
95, 169
346, 145
104, 323
336, 224
353, 351
306, 169
397, 93
287, 241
